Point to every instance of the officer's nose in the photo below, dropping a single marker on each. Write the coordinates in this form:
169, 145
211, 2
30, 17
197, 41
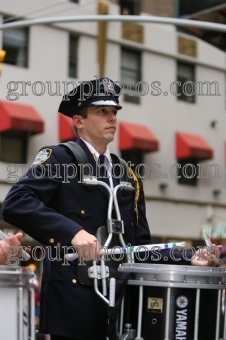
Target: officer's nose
112, 117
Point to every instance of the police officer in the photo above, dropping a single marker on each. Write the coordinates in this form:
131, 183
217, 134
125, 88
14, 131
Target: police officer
55, 208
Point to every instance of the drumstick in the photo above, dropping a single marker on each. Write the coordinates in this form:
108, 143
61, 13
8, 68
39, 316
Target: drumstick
4, 238
132, 249
207, 239
142, 248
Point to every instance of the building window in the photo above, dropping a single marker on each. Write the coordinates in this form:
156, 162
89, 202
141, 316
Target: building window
13, 147
131, 75
134, 157
187, 170
73, 56
15, 43
194, 6
130, 7
186, 78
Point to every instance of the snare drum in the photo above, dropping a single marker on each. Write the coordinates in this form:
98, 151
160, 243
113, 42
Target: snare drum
173, 302
17, 321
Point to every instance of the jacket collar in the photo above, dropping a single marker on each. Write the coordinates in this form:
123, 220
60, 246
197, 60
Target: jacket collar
93, 164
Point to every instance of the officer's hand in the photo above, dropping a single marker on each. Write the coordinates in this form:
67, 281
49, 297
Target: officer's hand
14, 240
207, 256
86, 245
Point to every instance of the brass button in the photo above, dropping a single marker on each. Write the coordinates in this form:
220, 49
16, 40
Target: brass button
83, 212
51, 240
74, 281
58, 244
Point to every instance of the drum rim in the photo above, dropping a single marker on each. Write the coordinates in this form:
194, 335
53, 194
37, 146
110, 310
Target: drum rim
15, 276
150, 268
174, 276
17, 269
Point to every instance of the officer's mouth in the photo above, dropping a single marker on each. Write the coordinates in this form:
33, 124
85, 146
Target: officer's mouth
111, 128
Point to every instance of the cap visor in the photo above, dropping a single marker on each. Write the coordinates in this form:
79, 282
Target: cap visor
106, 103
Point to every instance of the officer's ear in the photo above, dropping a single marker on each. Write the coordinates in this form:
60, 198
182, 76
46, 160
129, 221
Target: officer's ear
77, 121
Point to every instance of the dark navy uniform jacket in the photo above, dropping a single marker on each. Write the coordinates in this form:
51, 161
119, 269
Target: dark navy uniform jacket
52, 210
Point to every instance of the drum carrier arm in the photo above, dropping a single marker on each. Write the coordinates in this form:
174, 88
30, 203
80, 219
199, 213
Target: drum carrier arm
114, 226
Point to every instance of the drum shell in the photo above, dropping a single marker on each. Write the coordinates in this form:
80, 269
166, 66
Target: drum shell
17, 303
181, 319
191, 284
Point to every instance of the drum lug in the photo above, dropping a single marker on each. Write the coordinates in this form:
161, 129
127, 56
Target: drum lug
129, 334
126, 337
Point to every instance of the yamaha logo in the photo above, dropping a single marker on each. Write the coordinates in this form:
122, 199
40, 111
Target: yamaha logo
182, 302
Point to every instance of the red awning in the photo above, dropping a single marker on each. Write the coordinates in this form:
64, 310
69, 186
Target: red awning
136, 136
66, 132
20, 117
192, 146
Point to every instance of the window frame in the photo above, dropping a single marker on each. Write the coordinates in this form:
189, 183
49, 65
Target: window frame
73, 59
184, 180
130, 94
134, 156
183, 96
15, 136
132, 7
12, 57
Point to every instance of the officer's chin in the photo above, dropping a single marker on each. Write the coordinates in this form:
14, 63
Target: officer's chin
110, 138
110, 135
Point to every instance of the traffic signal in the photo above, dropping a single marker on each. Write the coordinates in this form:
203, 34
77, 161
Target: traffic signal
2, 58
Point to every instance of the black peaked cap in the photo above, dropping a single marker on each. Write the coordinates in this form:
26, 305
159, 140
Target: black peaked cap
101, 91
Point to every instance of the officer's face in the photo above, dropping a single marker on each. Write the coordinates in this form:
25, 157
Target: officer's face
99, 126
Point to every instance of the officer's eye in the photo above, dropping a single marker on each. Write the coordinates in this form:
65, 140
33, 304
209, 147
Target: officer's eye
101, 110
106, 110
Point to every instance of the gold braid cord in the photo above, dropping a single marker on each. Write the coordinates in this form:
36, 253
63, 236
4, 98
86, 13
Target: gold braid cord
137, 190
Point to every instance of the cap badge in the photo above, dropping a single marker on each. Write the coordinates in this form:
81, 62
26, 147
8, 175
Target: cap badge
108, 86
